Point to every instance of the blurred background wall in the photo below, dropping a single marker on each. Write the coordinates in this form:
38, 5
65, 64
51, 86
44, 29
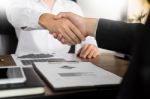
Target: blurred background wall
110, 9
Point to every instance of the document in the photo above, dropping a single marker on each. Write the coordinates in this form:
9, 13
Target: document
65, 75
29, 59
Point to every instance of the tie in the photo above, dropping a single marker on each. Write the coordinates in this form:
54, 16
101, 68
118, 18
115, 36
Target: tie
72, 49
148, 20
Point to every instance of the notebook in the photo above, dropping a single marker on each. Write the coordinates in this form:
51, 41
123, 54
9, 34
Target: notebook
33, 86
75, 75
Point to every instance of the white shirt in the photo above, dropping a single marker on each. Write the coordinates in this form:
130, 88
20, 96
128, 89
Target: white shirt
33, 38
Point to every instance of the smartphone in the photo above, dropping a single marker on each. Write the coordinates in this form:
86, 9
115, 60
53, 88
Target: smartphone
11, 75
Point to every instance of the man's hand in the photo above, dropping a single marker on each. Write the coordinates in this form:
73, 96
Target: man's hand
86, 26
64, 30
77, 20
88, 51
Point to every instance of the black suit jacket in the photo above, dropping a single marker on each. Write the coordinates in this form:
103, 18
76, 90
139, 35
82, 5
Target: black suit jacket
131, 39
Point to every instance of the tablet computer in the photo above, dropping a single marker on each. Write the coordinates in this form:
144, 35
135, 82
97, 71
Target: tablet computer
11, 75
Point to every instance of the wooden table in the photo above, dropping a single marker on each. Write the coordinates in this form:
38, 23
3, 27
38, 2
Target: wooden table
109, 62
6, 60
106, 61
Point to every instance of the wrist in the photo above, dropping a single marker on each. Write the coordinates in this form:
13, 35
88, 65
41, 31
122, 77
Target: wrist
45, 20
91, 24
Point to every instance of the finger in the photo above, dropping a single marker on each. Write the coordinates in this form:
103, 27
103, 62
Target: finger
72, 35
59, 37
84, 48
77, 33
55, 35
91, 54
66, 37
96, 54
63, 41
61, 15
84, 51
87, 52
89, 49
79, 51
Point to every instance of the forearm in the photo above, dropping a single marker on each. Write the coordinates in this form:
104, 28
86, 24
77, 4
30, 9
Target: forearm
26, 18
24, 14
91, 26
117, 36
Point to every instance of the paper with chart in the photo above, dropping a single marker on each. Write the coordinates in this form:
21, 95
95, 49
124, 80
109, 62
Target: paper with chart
63, 75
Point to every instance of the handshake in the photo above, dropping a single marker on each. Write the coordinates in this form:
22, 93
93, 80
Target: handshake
67, 27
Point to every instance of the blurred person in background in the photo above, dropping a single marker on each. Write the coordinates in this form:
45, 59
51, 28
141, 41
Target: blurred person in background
24, 15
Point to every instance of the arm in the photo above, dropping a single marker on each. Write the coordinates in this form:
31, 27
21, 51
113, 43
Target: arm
112, 35
117, 36
24, 14
88, 48
30, 14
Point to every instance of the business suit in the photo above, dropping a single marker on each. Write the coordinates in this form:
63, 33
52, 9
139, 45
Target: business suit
131, 39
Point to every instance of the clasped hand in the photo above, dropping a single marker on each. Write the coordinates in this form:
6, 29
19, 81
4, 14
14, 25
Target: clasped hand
67, 27
70, 29
74, 30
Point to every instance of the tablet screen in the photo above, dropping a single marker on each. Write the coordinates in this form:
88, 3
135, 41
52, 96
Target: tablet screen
7, 73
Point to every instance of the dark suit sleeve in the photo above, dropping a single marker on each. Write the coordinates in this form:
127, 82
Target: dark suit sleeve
117, 36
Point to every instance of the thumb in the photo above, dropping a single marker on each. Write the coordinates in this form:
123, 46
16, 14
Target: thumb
60, 15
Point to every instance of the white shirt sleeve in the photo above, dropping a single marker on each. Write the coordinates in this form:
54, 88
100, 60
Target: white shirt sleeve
24, 13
